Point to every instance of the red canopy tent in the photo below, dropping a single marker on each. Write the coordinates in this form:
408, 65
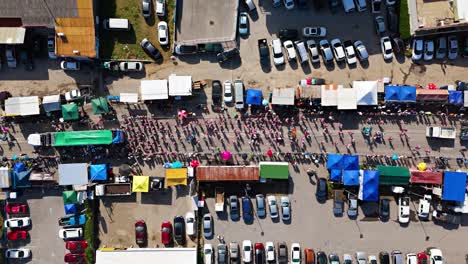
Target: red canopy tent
426, 177
431, 95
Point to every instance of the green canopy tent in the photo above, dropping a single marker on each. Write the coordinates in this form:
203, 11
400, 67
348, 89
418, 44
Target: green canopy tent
393, 175
70, 112
99, 106
274, 170
69, 197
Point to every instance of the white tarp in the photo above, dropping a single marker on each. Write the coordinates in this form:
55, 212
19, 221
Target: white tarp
51, 103
154, 90
129, 98
180, 85
366, 92
283, 96
347, 99
23, 106
73, 174
4, 177
330, 94
34, 139
465, 96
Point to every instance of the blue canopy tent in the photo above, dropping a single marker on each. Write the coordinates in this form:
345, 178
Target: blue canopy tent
391, 93
98, 172
407, 94
19, 167
70, 208
335, 161
253, 97
351, 178
21, 179
336, 175
369, 186
351, 162
118, 138
454, 186
177, 165
455, 97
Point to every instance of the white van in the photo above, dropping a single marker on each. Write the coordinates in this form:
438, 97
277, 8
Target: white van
250, 5
239, 94
116, 24
348, 6
360, 5
301, 49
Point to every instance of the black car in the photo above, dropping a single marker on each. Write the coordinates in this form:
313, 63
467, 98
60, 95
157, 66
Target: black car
216, 92
333, 5
179, 229
227, 55
321, 257
264, 52
384, 257
288, 34
384, 209
322, 190
146, 8
150, 49
398, 45
392, 20
282, 253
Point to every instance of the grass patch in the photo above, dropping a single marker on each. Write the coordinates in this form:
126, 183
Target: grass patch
404, 25
126, 44
90, 233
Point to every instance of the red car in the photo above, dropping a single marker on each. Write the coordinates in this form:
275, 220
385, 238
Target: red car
422, 258
16, 208
17, 235
166, 233
76, 245
74, 258
140, 232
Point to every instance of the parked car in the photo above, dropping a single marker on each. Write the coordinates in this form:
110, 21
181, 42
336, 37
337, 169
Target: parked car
222, 254
282, 253
70, 65
309, 256
216, 95
247, 213
392, 20
361, 257
422, 258
435, 255
234, 207
71, 233
338, 203
278, 57
288, 34
452, 47
411, 258
243, 24
338, 50
166, 233
234, 252
150, 49
259, 253
352, 206
290, 51
10, 55
361, 50
376, 6
191, 224
403, 210
51, 47
397, 257
349, 51
398, 45
372, 259
18, 222
247, 251
465, 47
347, 259
17, 235
260, 201
16, 208
208, 254
185, 49
326, 51
322, 190
321, 258
250, 5
289, 4
163, 33
140, 232
386, 46
384, 209
160, 8
296, 257
428, 50
379, 25
417, 49
264, 52
179, 229
285, 208
227, 55
334, 259
228, 96
146, 8
313, 50
441, 50
74, 258
207, 225
17, 253
272, 204
384, 257
76, 246
128, 66
314, 32
301, 51
270, 252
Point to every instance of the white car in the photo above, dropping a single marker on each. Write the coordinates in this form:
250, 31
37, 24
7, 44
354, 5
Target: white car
361, 257
72, 95
247, 251
273, 205
352, 207
285, 208
278, 57
270, 251
372, 259
428, 50
71, 233
227, 92
288, 45
51, 47
338, 49
70, 65
403, 210
18, 222
190, 224
411, 258
417, 49
349, 51
131, 66
452, 47
160, 7
386, 46
18, 253
295, 253
207, 225
361, 50
314, 32
163, 33
243, 24
436, 257
289, 4
208, 253
347, 258
313, 49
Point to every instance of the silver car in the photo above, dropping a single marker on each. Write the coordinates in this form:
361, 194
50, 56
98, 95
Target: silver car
361, 257
361, 50
453, 47
313, 49
441, 50
325, 48
260, 200
285, 208
273, 206
207, 225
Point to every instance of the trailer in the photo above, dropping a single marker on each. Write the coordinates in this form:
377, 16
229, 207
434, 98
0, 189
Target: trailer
219, 206
76, 138
72, 220
441, 216
114, 189
441, 132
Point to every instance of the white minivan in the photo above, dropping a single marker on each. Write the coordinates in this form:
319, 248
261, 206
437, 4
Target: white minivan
116, 24
239, 94
360, 5
348, 6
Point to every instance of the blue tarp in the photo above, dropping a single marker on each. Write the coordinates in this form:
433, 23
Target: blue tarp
369, 186
70, 208
336, 175
19, 167
391, 93
118, 137
407, 94
351, 177
253, 97
351, 162
455, 97
454, 186
21, 179
98, 172
335, 161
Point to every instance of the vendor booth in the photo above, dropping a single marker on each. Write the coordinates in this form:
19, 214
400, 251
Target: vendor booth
426, 177
180, 85
346, 99
369, 186
428, 95
393, 175
455, 97
22, 106
176, 176
99, 106
70, 112
274, 170
283, 96
73, 174
98, 172
140, 184
366, 92
454, 187
227, 173
154, 90
402, 94
131, 98
253, 97
329, 94
51, 103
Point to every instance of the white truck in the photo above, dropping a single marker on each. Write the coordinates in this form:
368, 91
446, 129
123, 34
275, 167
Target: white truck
114, 189
219, 206
441, 132
424, 207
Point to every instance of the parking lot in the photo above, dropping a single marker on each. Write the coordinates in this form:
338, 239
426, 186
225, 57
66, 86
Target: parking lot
313, 225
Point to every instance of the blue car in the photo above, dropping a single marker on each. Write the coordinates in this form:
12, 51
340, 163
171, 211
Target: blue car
247, 214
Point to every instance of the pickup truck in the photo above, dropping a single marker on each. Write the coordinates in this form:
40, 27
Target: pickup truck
72, 220
264, 52
114, 189
441, 132
424, 207
219, 206
438, 215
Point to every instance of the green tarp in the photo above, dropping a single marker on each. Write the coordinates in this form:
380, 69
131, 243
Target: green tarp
393, 175
274, 170
83, 138
69, 197
70, 112
99, 106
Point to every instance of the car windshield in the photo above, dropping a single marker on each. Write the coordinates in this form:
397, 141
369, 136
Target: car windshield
438, 258
165, 229
273, 202
278, 55
246, 248
190, 220
228, 94
207, 251
139, 229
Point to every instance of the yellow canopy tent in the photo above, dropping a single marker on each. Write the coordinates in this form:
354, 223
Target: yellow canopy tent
176, 177
140, 184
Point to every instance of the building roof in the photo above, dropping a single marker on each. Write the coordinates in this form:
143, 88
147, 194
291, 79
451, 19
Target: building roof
146, 255
154, 90
22, 106
227, 173
180, 85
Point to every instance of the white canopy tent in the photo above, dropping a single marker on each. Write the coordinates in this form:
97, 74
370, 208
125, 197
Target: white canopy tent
366, 92
154, 90
283, 96
129, 98
73, 174
347, 99
330, 94
34, 139
51, 103
180, 85
23, 106
4, 177
465, 96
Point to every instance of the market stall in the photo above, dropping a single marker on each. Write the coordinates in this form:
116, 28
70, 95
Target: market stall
329, 94
51, 103
283, 96
180, 85
346, 99
369, 186
393, 175
128, 98
154, 90
454, 187
70, 112
227, 173
434, 95
22, 106
403, 94
140, 184
425, 177
366, 92
73, 174
253, 97
274, 170
98, 172
176, 176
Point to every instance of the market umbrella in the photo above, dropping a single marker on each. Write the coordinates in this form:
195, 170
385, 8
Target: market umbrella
265, 102
70, 112
15, 157
194, 163
395, 157
182, 114
422, 166
100, 106
431, 86
167, 165
177, 165
140, 184
226, 155
269, 153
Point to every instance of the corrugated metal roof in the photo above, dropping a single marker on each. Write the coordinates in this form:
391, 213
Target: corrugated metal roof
12, 35
227, 173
